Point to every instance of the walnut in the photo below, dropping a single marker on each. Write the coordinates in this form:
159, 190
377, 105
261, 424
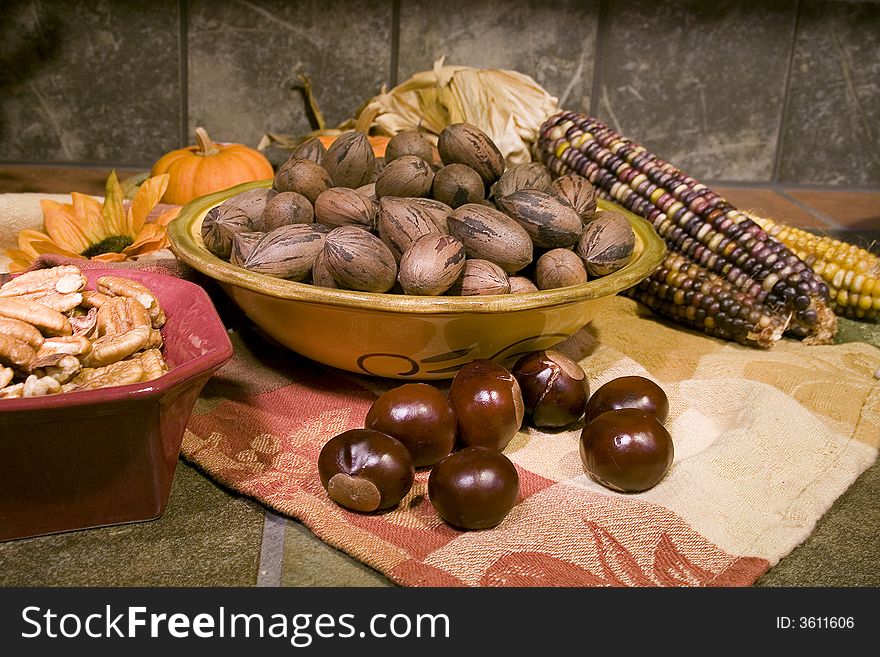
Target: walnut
12, 392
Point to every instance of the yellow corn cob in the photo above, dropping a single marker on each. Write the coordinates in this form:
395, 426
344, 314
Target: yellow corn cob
852, 273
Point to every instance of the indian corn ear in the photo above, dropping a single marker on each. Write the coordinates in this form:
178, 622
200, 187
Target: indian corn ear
851, 273
687, 292
692, 219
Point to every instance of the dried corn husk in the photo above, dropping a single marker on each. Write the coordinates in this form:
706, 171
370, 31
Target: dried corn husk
508, 106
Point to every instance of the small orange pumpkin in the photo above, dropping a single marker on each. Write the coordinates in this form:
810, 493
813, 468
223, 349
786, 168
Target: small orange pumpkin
209, 167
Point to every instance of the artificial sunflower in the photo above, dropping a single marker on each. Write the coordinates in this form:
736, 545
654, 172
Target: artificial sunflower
86, 228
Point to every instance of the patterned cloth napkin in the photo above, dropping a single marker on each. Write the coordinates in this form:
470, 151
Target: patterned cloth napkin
765, 441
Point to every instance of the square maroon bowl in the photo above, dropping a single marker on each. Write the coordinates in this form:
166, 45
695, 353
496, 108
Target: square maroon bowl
105, 457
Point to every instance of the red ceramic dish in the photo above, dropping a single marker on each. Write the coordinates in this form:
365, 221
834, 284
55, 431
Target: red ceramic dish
104, 457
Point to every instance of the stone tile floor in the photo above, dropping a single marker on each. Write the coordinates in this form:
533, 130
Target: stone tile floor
211, 537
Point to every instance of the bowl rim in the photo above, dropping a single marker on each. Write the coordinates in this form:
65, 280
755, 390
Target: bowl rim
188, 247
131, 392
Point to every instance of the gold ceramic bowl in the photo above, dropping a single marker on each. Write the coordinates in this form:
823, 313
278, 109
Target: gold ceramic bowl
406, 337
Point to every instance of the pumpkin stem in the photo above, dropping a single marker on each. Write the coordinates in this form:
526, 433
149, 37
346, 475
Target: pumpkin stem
206, 144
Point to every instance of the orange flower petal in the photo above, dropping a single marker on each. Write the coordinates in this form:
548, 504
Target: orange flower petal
34, 243
152, 238
88, 214
146, 198
116, 222
168, 216
63, 227
18, 260
109, 257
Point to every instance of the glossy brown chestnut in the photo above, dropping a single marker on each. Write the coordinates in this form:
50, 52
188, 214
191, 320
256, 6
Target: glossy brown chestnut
365, 470
554, 388
628, 392
419, 416
474, 488
626, 450
488, 404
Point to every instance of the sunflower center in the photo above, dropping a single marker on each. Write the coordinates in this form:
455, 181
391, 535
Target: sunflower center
113, 244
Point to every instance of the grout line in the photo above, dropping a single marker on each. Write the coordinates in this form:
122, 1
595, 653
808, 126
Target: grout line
786, 99
395, 43
271, 550
184, 72
831, 222
601, 28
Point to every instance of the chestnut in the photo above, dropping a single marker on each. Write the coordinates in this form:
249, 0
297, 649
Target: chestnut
627, 450
488, 404
419, 416
474, 488
554, 388
628, 392
365, 470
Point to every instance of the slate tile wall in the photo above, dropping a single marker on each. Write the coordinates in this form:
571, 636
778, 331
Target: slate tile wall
741, 91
